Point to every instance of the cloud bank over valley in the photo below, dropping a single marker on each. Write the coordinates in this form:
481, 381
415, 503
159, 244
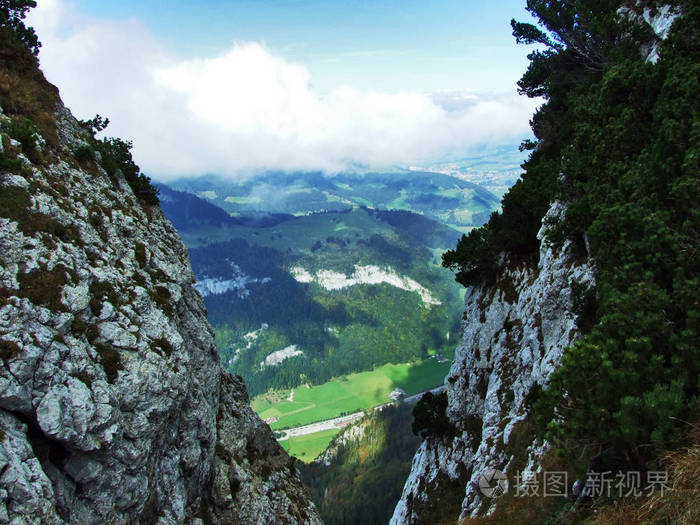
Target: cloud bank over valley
246, 108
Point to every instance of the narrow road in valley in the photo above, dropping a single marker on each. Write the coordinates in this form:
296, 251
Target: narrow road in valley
340, 422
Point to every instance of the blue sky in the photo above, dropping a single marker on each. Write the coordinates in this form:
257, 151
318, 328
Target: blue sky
240, 87
380, 44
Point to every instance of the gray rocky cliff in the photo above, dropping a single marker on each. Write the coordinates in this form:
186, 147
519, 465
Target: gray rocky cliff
113, 405
513, 335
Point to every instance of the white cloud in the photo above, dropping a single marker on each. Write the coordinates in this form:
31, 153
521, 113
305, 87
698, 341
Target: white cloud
247, 109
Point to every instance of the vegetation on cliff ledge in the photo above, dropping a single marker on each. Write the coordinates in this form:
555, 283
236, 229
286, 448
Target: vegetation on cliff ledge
31, 102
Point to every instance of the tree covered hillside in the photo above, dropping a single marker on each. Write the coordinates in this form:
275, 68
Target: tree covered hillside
360, 476
617, 140
270, 303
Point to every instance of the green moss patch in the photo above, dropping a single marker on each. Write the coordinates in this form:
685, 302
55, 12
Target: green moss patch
15, 204
103, 291
43, 287
111, 360
162, 297
9, 349
13, 165
24, 131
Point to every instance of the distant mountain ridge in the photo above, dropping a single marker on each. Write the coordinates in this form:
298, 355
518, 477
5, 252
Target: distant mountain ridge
188, 212
447, 199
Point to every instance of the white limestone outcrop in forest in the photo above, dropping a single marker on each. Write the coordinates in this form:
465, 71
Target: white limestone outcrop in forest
369, 274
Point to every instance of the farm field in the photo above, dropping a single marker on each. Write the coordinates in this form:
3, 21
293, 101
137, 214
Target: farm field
351, 393
308, 447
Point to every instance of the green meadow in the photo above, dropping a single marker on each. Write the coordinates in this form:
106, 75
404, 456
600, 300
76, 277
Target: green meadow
347, 394
308, 447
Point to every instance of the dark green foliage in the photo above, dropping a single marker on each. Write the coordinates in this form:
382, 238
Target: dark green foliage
364, 481
24, 131
116, 157
634, 154
582, 38
13, 165
15, 204
473, 259
585, 305
95, 124
623, 134
430, 416
85, 153
12, 14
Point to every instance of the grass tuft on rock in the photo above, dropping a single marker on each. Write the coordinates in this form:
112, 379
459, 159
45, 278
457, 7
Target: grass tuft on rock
43, 287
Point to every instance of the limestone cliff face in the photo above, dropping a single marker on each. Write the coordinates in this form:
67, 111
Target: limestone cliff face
113, 405
513, 336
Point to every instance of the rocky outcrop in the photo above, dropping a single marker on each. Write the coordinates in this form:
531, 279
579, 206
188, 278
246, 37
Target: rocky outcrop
113, 405
658, 18
513, 335
354, 432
